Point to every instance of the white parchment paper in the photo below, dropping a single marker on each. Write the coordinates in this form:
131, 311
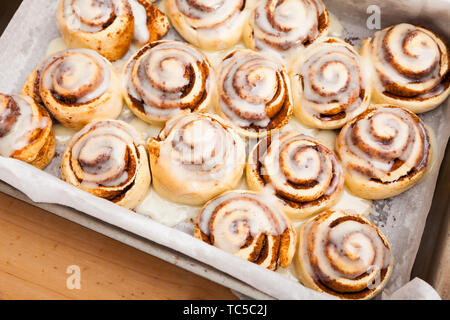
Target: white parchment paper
402, 218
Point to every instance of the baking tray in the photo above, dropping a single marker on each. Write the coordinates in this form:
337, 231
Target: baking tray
432, 262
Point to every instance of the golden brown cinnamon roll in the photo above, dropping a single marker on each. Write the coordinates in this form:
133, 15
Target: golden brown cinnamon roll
166, 77
330, 84
25, 131
285, 27
411, 67
253, 93
305, 175
108, 159
76, 86
109, 26
195, 158
384, 151
209, 25
248, 226
344, 255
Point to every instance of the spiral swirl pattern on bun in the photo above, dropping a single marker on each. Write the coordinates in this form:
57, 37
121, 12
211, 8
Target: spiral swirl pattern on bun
166, 77
411, 67
286, 27
195, 158
108, 159
253, 93
25, 131
76, 86
344, 255
209, 25
246, 225
330, 84
305, 175
384, 151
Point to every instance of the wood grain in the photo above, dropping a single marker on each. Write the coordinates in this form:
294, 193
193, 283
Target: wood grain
37, 247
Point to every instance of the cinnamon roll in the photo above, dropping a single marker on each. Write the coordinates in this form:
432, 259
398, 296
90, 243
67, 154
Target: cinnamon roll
25, 131
344, 255
411, 67
330, 84
195, 158
384, 151
76, 86
166, 77
285, 27
209, 25
245, 224
305, 175
253, 93
107, 158
109, 26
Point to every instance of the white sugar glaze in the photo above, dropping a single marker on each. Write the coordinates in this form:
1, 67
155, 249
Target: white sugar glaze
219, 17
260, 217
100, 149
166, 212
166, 78
407, 144
78, 11
172, 214
261, 80
351, 238
336, 29
62, 133
56, 45
298, 18
424, 57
